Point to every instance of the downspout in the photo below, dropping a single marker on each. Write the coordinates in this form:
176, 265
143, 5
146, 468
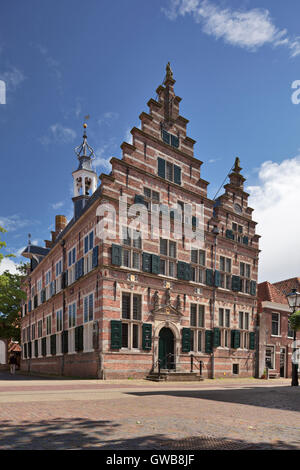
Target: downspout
216, 232
64, 304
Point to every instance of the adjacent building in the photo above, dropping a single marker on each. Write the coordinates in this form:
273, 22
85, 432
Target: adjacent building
275, 335
117, 306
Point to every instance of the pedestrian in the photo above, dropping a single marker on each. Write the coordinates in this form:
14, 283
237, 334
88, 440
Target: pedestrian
12, 363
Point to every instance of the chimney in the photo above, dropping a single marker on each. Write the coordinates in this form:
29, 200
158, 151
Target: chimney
60, 223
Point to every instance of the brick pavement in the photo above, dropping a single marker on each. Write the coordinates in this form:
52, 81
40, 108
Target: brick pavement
38, 413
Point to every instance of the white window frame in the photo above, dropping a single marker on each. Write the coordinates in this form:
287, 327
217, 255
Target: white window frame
279, 325
71, 267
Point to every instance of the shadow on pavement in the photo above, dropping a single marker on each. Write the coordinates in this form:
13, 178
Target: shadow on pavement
62, 434
281, 398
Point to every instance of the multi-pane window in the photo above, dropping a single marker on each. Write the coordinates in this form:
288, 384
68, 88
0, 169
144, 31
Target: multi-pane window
198, 260
59, 320
132, 244
88, 245
275, 324
33, 332
290, 330
48, 325
150, 196
39, 289
72, 315
131, 316
270, 357
71, 265
47, 283
197, 323
40, 328
245, 274
88, 308
238, 232
225, 272
58, 271
244, 326
224, 325
168, 253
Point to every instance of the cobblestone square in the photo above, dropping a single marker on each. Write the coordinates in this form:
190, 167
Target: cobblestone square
47, 413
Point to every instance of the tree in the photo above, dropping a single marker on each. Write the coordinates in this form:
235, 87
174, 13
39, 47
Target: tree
11, 296
295, 320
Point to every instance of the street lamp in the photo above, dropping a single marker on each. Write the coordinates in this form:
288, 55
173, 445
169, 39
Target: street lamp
293, 299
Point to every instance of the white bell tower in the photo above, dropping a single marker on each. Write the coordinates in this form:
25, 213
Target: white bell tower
84, 178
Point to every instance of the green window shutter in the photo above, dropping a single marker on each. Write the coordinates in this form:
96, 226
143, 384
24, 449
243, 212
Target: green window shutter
35, 301
181, 270
146, 262
36, 348
229, 234
236, 283
245, 240
29, 306
186, 340
217, 337
139, 199
147, 336
166, 136
208, 341
177, 174
155, 264
116, 334
161, 167
252, 287
44, 348
95, 256
209, 277
76, 270
116, 254
174, 141
252, 340
217, 278
79, 338
194, 221
235, 339
64, 341
81, 267
43, 295
53, 345
188, 272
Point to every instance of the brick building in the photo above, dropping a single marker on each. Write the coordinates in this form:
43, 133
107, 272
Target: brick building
112, 308
275, 335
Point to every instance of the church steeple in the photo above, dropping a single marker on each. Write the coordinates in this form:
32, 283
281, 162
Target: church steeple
236, 179
85, 178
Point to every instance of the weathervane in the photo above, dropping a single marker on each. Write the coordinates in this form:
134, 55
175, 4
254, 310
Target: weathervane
84, 150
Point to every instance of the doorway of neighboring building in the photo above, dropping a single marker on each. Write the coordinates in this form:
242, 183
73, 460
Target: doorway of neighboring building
282, 362
166, 349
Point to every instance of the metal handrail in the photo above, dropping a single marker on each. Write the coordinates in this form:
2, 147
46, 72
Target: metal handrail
200, 366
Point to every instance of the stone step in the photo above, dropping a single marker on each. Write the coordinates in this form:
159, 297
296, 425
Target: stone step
169, 376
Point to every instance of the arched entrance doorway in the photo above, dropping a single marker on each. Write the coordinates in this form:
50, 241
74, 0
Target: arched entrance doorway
166, 349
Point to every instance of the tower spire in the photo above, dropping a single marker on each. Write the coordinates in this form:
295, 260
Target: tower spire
85, 178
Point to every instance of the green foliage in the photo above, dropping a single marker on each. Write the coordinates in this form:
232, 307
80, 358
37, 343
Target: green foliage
295, 321
11, 295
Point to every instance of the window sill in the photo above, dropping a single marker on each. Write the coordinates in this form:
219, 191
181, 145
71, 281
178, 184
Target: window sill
276, 336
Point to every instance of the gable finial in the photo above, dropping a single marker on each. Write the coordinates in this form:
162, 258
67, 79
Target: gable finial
237, 167
169, 72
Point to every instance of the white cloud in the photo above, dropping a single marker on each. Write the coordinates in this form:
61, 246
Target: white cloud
52, 63
108, 118
57, 205
6, 264
276, 200
14, 222
58, 133
13, 77
249, 29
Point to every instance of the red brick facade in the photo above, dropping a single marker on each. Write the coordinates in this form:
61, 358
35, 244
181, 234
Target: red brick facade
210, 307
275, 338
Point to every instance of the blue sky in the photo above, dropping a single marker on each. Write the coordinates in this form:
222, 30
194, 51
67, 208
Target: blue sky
234, 63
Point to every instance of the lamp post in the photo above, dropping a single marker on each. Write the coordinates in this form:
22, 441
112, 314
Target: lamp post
293, 299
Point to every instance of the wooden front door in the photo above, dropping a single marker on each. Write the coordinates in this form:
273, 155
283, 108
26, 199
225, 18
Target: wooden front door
166, 349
